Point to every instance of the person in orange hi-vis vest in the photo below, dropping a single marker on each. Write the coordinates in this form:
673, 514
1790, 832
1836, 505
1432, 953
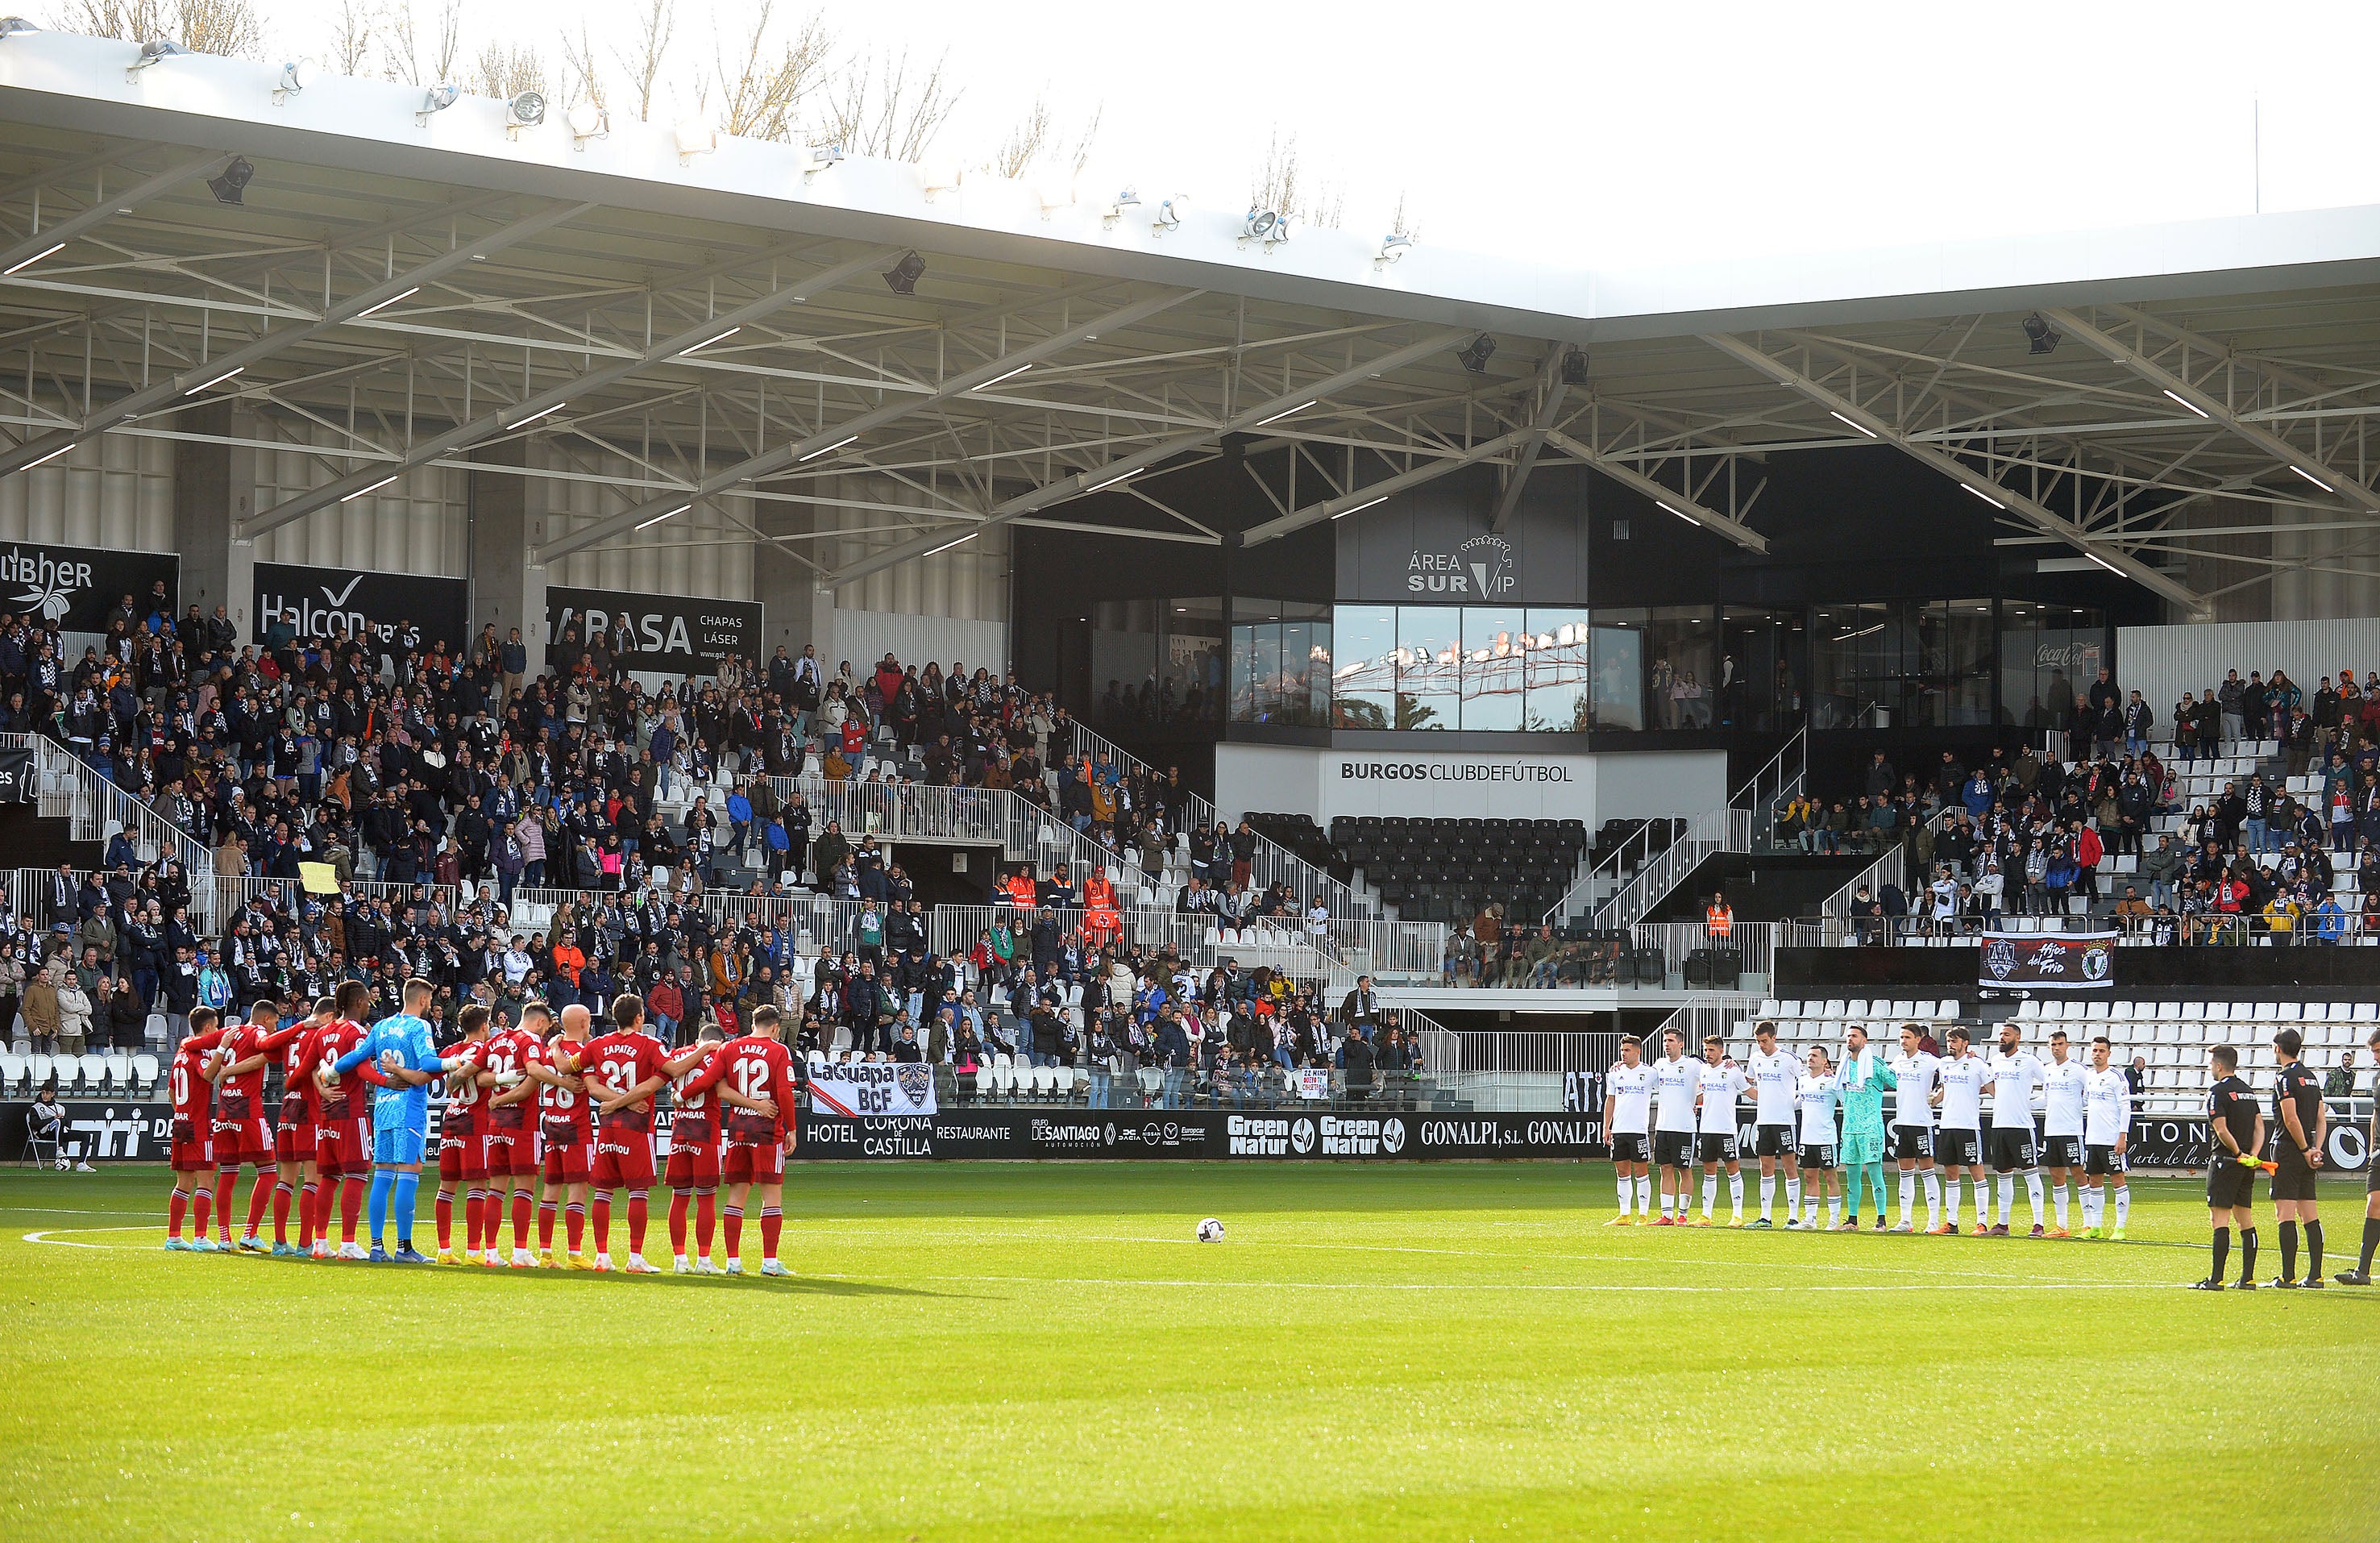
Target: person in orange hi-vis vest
1719, 918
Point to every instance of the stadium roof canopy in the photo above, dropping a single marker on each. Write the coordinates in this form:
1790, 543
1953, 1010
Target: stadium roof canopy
430, 286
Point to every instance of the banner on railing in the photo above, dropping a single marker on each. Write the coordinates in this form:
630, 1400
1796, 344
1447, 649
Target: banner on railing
876, 1091
19, 783
2021, 964
1314, 1082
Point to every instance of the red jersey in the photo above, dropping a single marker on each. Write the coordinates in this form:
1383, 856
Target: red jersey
697, 1117
190, 1087
332, 1041
239, 1097
465, 1099
564, 1112
620, 1061
755, 1067
298, 1061
506, 1052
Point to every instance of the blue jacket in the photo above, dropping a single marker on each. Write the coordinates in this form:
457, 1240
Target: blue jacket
1172, 1044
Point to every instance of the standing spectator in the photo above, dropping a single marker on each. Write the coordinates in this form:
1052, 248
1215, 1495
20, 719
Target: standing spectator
2340, 1083
41, 1008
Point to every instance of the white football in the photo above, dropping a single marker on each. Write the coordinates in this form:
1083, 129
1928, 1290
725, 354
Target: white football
1210, 1231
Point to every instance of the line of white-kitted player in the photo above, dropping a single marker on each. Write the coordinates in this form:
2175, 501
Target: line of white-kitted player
1820, 1125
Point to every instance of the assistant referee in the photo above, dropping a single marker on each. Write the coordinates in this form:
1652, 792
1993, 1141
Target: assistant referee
2298, 1131
2361, 1274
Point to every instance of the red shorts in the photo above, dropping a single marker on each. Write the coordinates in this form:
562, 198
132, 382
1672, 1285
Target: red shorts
748, 1164
694, 1166
624, 1160
294, 1143
566, 1162
511, 1151
462, 1155
343, 1146
246, 1142
196, 1155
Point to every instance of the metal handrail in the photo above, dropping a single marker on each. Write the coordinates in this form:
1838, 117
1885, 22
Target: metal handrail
1714, 831
72, 789
1764, 811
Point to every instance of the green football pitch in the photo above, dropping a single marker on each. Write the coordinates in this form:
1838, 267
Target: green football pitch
999, 1350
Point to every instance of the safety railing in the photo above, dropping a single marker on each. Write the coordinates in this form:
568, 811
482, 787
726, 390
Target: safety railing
1890, 868
1755, 944
1714, 831
289, 894
1271, 863
1783, 777
902, 811
1533, 1052
95, 809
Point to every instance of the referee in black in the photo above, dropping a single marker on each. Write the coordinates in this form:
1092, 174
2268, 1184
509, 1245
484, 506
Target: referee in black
2298, 1135
2361, 1274
2236, 1132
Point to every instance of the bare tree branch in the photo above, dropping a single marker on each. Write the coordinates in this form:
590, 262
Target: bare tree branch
422, 60
228, 28
643, 60
131, 21
580, 76
351, 35
884, 112
762, 82
504, 73
1280, 186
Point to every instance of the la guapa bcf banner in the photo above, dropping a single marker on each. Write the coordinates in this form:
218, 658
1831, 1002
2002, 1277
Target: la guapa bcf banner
2025, 964
875, 1091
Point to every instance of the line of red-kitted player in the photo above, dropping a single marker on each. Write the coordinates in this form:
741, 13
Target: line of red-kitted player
541, 1105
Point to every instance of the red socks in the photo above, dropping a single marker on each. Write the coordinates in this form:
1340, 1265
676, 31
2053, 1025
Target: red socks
574, 1224
351, 1202
520, 1220
678, 1199
281, 1193
205, 1198
603, 1222
226, 1179
308, 1198
637, 1213
705, 1219
175, 1206
545, 1225
731, 1226
772, 1221
444, 1208
261, 1196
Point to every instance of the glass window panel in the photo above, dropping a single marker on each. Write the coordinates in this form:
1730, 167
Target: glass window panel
1968, 658
1192, 657
1494, 665
1683, 645
1619, 691
1559, 673
1296, 673
1244, 687
1363, 677
1264, 668
1759, 669
1429, 671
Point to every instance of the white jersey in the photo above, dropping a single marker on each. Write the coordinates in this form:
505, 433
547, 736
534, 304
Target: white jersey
1719, 1086
1632, 1097
1673, 1094
2014, 1080
1774, 1075
2063, 1083
2107, 1107
1912, 1098
1962, 1080
1816, 1098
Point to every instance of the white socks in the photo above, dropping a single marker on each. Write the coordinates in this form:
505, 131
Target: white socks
1645, 1193
1834, 1211
1768, 1195
1983, 1202
1668, 1203
1907, 1196
1954, 1204
2032, 1192
1735, 1194
2094, 1199
1627, 1193
1710, 1193
2058, 1202
2123, 1204
1934, 1196
2008, 1200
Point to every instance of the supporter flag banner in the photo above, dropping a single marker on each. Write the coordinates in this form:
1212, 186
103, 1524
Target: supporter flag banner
19, 783
876, 1091
1314, 1082
2021, 963
75, 587
319, 878
323, 602
662, 634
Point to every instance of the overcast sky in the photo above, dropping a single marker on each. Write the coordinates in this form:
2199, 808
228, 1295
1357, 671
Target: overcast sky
1617, 135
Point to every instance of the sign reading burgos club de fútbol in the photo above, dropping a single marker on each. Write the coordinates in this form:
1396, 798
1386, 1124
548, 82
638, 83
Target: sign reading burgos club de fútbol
77, 585
666, 634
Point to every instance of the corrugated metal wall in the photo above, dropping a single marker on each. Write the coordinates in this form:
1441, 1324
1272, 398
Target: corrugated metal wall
416, 524
967, 583
114, 491
2325, 588
699, 553
2161, 662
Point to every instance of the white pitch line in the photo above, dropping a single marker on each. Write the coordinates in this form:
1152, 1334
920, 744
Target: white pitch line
1526, 1285
43, 1236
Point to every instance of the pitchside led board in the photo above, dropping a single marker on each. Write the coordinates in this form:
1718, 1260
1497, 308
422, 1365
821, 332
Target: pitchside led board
2056, 964
321, 601
676, 635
